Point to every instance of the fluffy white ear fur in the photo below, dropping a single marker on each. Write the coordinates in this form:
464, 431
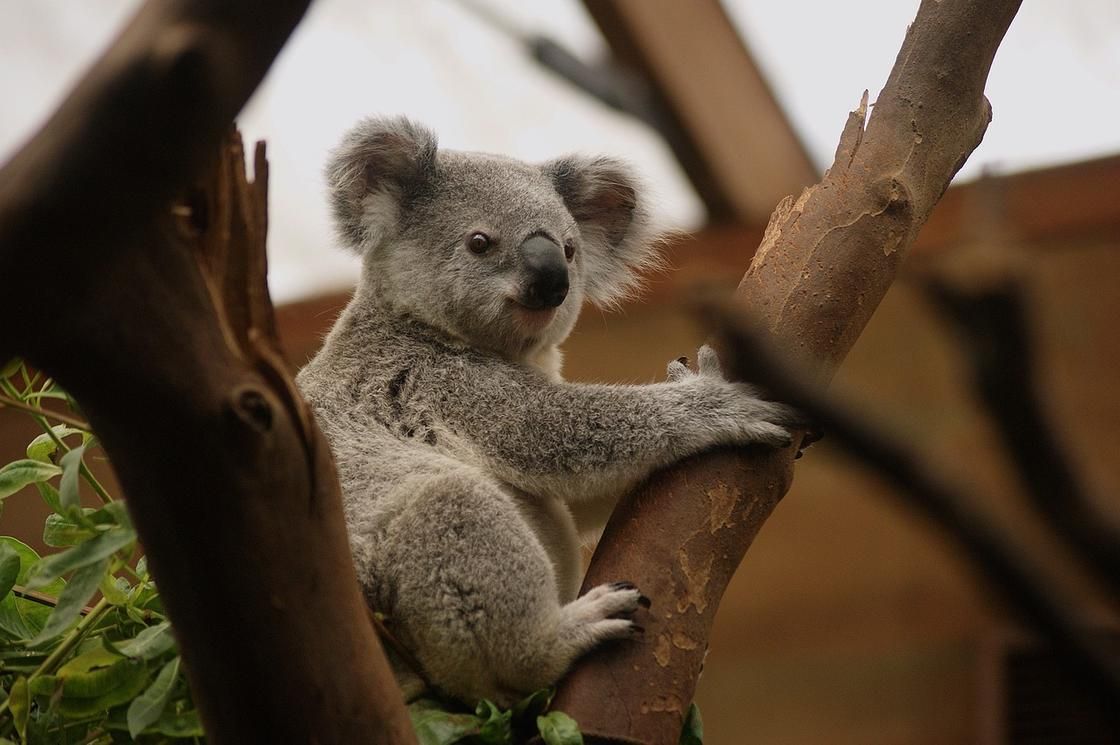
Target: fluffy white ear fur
607, 201
380, 162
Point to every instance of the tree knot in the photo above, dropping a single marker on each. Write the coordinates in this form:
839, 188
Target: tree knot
252, 407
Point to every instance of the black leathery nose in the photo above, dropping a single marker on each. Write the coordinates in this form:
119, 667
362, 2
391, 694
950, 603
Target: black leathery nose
546, 273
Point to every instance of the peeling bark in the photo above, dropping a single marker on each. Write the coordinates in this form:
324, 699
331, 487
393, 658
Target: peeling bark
826, 261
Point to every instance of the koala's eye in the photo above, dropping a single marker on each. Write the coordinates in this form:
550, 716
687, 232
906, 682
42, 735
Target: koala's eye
478, 243
569, 250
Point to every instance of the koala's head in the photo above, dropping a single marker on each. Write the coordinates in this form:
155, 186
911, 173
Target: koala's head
494, 251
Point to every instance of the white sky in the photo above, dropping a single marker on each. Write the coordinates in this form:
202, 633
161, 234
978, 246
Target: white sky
1055, 87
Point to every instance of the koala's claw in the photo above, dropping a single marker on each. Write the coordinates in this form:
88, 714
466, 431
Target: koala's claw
613, 600
624, 585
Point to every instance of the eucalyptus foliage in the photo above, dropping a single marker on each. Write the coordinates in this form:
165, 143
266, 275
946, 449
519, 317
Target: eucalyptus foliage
86, 651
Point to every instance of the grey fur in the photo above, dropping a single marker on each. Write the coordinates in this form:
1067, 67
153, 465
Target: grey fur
469, 468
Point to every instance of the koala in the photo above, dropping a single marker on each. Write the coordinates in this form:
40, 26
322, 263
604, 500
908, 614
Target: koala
469, 468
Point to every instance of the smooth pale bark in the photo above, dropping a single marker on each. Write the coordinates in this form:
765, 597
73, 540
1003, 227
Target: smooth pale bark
826, 261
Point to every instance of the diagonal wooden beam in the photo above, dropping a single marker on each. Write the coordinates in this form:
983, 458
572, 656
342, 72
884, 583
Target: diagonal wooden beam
720, 117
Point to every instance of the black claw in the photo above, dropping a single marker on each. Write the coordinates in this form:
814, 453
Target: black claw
644, 602
814, 434
623, 586
637, 630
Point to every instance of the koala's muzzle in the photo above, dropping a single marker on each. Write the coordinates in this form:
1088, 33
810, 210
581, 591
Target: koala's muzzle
546, 273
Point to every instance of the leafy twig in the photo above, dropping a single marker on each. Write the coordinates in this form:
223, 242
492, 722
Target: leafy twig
39, 415
35, 410
72, 640
39, 597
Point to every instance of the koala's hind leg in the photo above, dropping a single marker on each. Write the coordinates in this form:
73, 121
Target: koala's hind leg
475, 596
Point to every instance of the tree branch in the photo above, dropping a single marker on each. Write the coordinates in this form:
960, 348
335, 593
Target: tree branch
827, 259
992, 322
165, 337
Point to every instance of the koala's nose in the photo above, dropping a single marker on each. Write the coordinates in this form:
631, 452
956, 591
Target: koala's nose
546, 272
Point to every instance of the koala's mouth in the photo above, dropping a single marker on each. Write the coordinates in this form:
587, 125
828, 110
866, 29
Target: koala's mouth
532, 318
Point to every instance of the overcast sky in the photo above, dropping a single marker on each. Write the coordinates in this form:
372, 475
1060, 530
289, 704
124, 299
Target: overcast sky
1055, 87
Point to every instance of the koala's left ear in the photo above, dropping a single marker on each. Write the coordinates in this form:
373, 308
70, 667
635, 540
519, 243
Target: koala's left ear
606, 200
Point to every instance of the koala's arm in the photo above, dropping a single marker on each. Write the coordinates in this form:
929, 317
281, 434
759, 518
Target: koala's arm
579, 441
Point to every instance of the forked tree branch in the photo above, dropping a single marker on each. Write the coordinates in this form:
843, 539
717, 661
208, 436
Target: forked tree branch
825, 262
162, 328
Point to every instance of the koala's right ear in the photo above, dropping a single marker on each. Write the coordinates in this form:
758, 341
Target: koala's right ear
380, 163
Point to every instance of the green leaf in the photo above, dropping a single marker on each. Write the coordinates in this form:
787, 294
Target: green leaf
19, 702
71, 527
147, 708
13, 656
693, 731
20, 618
114, 513
92, 551
11, 367
119, 683
44, 685
496, 724
114, 589
9, 569
181, 725
44, 446
534, 704
68, 484
50, 495
20, 473
93, 673
73, 598
177, 722
60, 531
434, 726
557, 728
149, 643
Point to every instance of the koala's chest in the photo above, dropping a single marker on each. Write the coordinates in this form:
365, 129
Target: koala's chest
408, 410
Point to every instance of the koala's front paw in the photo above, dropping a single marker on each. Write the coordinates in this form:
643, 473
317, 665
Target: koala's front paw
606, 611
738, 407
